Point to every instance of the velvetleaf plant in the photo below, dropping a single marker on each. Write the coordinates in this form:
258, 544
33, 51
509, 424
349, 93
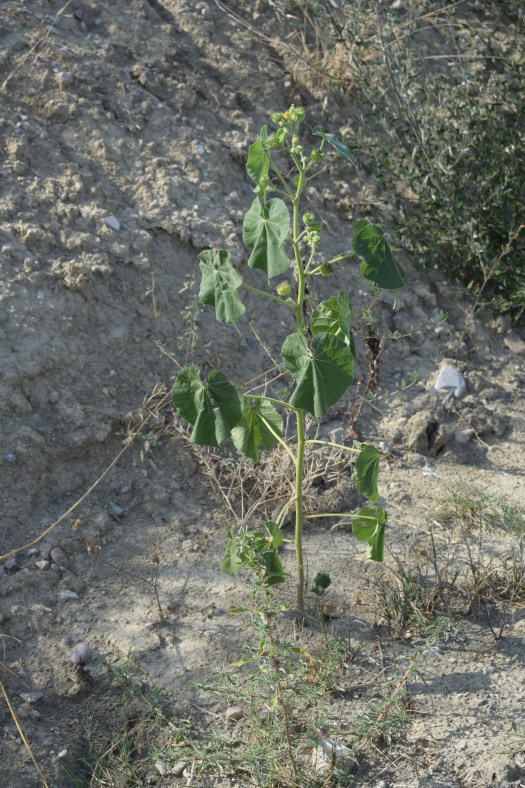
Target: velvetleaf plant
318, 356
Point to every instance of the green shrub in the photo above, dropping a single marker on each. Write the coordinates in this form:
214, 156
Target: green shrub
440, 95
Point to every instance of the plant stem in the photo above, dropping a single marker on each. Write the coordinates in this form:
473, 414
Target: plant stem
299, 461
268, 295
278, 686
336, 445
299, 516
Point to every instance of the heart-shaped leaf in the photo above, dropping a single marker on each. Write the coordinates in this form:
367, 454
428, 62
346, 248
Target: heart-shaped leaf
342, 151
219, 284
368, 525
252, 431
323, 372
214, 407
258, 161
366, 471
265, 229
334, 317
379, 265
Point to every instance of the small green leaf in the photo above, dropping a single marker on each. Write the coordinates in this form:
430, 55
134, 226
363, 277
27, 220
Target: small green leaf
214, 408
342, 151
366, 471
258, 161
240, 662
219, 285
275, 533
232, 561
323, 373
265, 229
334, 317
368, 525
273, 567
236, 610
379, 265
322, 581
253, 432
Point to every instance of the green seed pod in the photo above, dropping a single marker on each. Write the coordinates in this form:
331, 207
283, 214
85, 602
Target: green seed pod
308, 218
326, 269
283, 289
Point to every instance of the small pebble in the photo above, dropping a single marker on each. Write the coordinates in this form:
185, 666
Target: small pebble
515, 344
234, 713
10, 457
62, 754
65, 594
64, 78
112, 222
126, 489
12, 564
31, 697
464, 436
161, 768
115, 509
32, 551
336, 435
58, 556
42, 565
178, 769
82, 652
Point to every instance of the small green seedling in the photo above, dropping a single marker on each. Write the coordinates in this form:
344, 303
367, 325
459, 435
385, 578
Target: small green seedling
318, 356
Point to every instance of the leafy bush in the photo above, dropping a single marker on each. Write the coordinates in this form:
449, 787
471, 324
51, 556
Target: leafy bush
441, 97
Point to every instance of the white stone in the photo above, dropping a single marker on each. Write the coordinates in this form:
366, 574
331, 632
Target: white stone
329, 755
450, 378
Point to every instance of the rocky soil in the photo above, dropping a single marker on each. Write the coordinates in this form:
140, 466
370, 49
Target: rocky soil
125, 127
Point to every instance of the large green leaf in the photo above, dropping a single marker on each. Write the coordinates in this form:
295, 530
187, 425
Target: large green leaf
214, 408
368, 525
252, 431
323, 372
379, 264
219, 285
342, 151
367, 470
265, 229
258, 161
334, 317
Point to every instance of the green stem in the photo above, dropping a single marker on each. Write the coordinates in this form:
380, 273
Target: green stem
297, 251
287, 304
278, 438
272, 399
277, 172
325, 515
336, 445
334, 260
299, 515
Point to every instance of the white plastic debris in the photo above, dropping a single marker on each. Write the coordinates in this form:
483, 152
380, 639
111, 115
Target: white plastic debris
450, 378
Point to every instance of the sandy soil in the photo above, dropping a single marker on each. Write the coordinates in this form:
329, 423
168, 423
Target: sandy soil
125, 127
